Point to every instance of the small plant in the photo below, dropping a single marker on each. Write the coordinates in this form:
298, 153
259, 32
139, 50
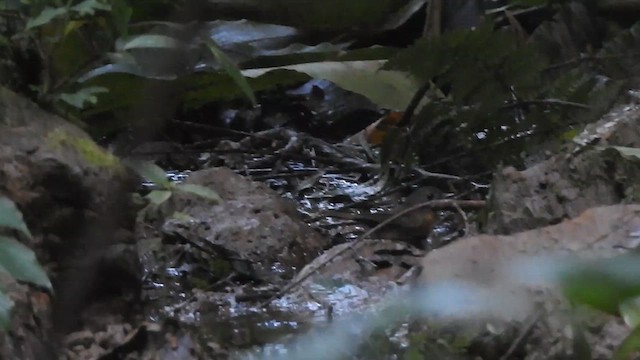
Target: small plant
16, 260
166, 188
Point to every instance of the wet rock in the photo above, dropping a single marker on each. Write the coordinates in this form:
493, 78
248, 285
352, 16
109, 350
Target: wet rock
350, 283
254, 228
569, 183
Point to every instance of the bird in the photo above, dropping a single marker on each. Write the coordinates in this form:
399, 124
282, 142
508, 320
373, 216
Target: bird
413, 226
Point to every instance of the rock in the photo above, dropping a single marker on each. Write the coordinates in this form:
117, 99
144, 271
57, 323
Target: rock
507, 269
254, 227
569, 183
73, 196
351, 283
82, 338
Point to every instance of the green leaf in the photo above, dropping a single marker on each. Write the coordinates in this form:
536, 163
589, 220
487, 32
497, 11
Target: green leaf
151, 172
21, 263
6, 305
157, 197
45, 17
150, 41
11, 217
83, 98
121, 15
89, 7
630, 312
604, 284
200, 191
386, 88
230, 68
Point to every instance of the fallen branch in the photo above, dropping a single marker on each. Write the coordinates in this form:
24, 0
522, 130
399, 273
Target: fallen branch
435, 204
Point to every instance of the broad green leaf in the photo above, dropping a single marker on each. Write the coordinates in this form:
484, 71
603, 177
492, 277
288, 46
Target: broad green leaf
45, 17
84, 97
121, 15
232, 70
150, 41
6, 305
604, 284
151, 172
203, 88
89, 7
157, 197
70, 54
11, 217
386, 88
21, 263
200, 191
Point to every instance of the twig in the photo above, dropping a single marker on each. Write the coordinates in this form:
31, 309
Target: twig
553, 102
358, 241
521, 337
582, 59
464, 218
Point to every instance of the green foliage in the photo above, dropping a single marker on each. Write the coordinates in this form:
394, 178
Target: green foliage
72, 38
16, 260
232, 70
492, 97
67, 37
98, 57
166, 188
10, 217
612, 286
20, 262
82, 98
6, 304
390, 89
604, 284
629, 346
482, 70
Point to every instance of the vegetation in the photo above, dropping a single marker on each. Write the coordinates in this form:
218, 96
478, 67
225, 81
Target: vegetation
471, 98
165, 188
16, 260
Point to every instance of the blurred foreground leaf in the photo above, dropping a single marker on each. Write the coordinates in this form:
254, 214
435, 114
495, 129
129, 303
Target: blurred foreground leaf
5, 310
20, 262
604, 284
157, 197
11, 217
151, 172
